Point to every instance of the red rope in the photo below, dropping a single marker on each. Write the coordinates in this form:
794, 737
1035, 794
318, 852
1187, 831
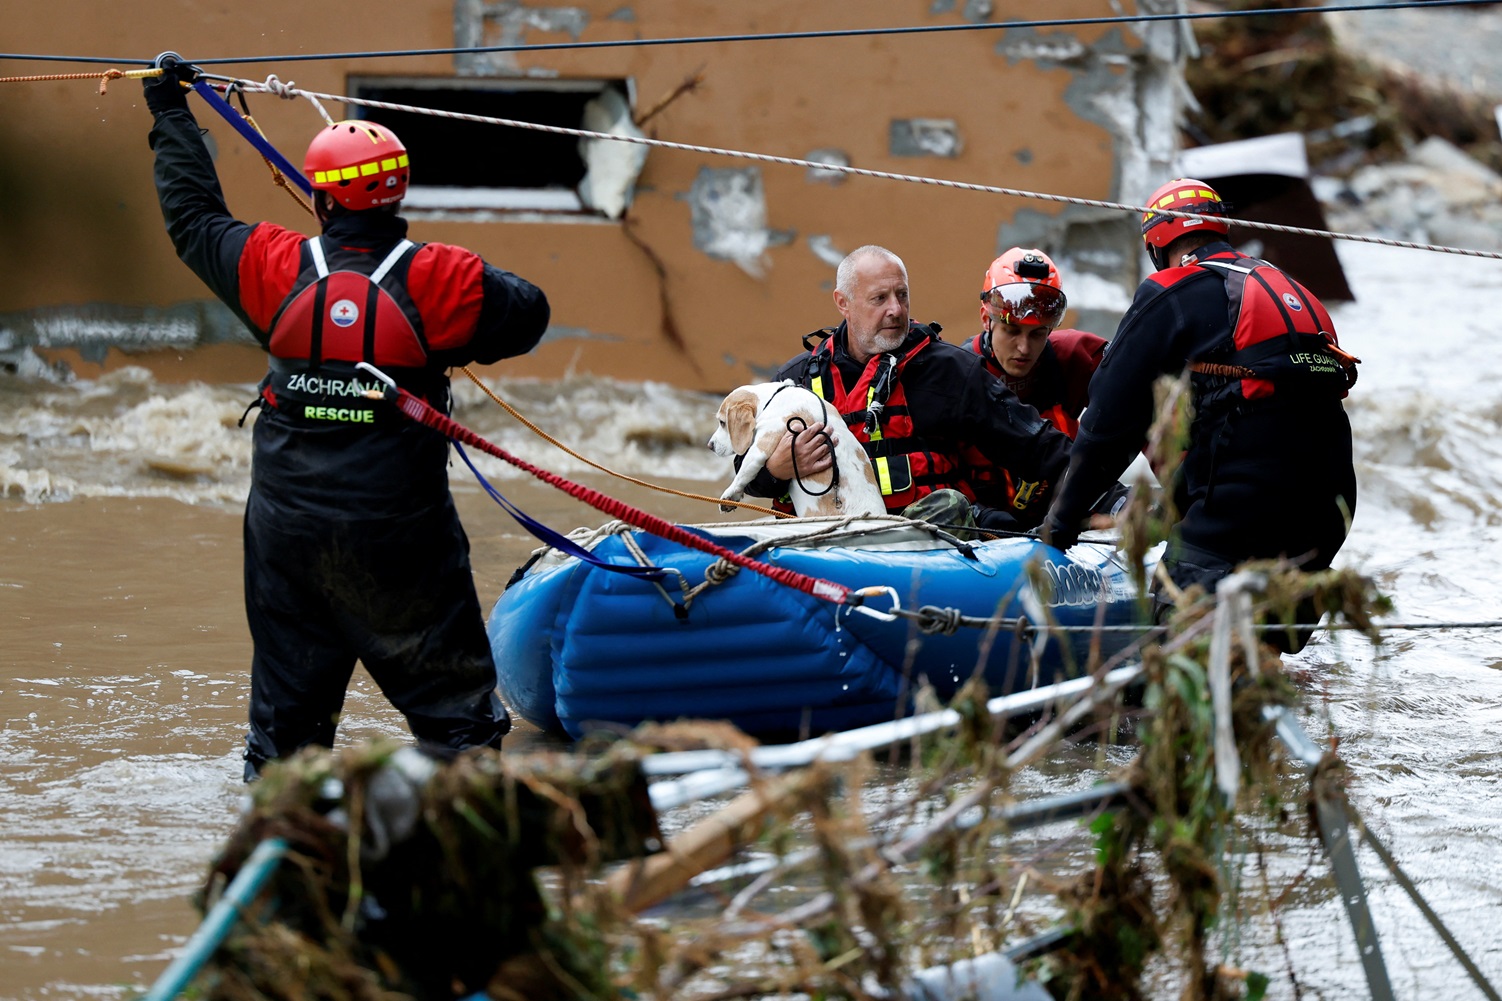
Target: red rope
422, 413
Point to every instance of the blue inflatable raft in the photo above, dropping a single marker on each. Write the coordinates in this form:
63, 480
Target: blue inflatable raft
576, 645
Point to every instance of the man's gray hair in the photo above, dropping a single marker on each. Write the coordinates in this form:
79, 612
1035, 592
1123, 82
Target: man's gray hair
844, 275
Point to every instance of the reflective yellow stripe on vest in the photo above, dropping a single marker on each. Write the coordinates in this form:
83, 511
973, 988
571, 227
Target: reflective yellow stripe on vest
1024, 495
883, 474
876, 433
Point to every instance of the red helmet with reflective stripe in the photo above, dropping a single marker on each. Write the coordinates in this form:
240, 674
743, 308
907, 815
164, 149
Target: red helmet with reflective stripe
362, 164
1022, 287
1183, 194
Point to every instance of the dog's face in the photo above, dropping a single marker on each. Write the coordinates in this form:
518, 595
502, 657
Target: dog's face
753, 422
737, 423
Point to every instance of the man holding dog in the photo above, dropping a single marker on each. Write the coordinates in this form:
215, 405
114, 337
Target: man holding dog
912, 399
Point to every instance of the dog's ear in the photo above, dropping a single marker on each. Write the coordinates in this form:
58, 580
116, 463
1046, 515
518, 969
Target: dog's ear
740, 421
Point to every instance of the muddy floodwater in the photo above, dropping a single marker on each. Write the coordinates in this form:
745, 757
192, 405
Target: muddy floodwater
124, 653
122, 711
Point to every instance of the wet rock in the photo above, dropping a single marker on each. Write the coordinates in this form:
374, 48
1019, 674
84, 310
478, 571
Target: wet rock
1436, 194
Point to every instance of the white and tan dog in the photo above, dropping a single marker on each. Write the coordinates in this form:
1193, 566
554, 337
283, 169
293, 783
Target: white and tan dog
753, 420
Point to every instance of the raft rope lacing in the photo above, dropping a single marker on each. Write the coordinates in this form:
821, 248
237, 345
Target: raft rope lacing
722, 570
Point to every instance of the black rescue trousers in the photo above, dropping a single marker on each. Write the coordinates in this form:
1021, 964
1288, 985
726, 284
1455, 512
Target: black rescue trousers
1269, 482
396, 594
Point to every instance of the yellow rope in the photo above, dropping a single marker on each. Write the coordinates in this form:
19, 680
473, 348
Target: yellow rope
590, 462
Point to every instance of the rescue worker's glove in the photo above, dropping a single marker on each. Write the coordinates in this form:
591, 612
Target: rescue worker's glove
1057, 532
167, 92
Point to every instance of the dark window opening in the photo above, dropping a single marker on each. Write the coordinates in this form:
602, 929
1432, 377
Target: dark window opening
460, 165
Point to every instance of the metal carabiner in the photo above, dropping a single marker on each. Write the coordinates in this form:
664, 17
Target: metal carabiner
875, 613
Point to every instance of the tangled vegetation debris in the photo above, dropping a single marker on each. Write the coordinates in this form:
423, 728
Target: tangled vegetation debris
513, 875
546, 876
1182, 824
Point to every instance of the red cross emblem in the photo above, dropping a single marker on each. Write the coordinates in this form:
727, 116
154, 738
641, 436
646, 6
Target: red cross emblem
344, 312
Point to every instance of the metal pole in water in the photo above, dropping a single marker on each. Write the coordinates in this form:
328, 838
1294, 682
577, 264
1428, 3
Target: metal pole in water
1334, 829
220, 919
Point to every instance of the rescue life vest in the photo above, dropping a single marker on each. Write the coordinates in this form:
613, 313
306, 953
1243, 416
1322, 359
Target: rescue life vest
347, 307
996, 486
1046, 382
1283, 343
876, 411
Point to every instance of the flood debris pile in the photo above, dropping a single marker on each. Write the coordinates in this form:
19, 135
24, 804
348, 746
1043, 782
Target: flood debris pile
409, 876
1258, 76
1435, 193
543, 875
1167, 868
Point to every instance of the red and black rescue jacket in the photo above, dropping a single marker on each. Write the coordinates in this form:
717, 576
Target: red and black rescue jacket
876, 410
344, 308
912, 409
1283, 344
1058, 387
317, 446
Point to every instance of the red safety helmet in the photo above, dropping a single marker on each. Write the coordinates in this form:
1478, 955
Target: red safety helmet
1022, 287
362, 164
1183, 194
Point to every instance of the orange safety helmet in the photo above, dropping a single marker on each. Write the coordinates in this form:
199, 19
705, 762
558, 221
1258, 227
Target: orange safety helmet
362, 164
1182, 194
1022, 287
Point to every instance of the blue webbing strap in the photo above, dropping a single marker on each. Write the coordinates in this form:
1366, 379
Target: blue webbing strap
255, 138
562, 543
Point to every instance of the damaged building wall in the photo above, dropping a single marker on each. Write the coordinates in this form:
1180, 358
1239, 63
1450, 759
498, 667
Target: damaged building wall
1130, 82
684, 266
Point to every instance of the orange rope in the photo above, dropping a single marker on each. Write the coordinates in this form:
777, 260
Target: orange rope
629, 479
1216, 368
277, 175
103, 78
